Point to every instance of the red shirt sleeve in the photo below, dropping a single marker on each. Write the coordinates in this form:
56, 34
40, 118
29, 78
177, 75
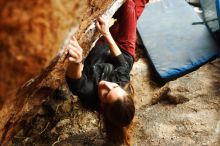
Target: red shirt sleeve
140, 4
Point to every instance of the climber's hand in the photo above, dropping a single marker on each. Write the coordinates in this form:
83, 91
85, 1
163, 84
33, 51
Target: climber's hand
75, 51
103, 26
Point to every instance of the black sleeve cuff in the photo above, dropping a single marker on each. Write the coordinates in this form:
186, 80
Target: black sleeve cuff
74, 84
119, 60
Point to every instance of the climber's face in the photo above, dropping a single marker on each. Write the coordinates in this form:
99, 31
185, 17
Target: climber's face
109, 92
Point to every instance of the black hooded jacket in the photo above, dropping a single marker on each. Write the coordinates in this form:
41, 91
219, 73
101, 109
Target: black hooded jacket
100, 65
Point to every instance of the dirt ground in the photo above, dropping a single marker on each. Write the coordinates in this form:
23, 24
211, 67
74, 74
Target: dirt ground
193, 122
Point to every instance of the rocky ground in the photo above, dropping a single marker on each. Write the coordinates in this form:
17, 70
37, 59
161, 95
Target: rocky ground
184, 112
193, 122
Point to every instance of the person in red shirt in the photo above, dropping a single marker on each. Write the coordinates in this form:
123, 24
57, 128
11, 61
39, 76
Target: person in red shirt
101, 79
124, 29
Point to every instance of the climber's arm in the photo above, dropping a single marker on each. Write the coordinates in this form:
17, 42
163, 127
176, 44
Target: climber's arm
75, 66
103, 27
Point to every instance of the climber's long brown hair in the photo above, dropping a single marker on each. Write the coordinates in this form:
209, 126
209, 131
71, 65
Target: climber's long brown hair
118, 116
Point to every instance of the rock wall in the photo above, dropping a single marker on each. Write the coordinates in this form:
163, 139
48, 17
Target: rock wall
31, 34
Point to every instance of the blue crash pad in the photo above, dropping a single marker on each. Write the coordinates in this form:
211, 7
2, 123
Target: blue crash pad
173, 44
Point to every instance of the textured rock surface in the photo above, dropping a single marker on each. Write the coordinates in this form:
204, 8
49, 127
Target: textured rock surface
31, 34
